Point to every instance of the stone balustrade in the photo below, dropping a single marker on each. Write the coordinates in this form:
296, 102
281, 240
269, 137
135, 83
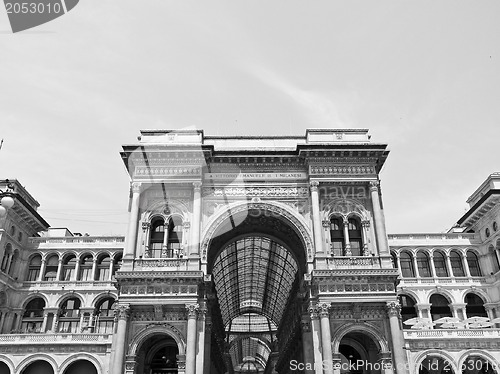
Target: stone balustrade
9, 339
450, 334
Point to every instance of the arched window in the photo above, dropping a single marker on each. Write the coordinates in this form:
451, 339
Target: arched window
439, 307
493, 259
104, 316
6, 257
337, 236
156, 238
51, 268
424, 269
394, 260
457, 266
33, 316
355, 236
117, 263
477, 365
408, 309
70, 316
407, 269
34, 268
175, 229
13, 263
440, 264
69, 266
86, 264
473, 263
475, 306
103, 268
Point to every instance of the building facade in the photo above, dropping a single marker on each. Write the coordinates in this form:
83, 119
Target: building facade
251, 255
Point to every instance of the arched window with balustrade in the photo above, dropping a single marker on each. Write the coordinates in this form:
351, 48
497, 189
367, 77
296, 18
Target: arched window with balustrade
175, 232
474, 306
406, 262
473, 263
104, 316
103, 268
157, 237
424, 269
51, 266
86, 264
337, 236
69, 318
408, 309
34, 267
440, 264
440, 306
69, 266
457, 267
32, 318
355, 236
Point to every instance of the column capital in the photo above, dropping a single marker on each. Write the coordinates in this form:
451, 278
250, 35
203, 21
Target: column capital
325, 223
146, 225
374, 185
122, 311
314, 186
365, 223
393, 308
313, 312
136, 187
197, 186
192, 310
324, 310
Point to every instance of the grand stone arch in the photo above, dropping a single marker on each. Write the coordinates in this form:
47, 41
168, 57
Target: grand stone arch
82, 356
152, 330
364, 328
277, 209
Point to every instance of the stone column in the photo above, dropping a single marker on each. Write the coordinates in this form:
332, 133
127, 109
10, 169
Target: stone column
164, 245
208, 343
77, 269
326, 338
94, 267
318, 241
378, 214
307, 344
433, 267
133, 223
192, 310
146, 227
2, 319
195, 226
448, 263
415, 265
42, 269
424, 310
466, 265
347, 243
458, 310
316, 338
365, 226
111, 268
200, 354
398, 354
122, 313
59, 270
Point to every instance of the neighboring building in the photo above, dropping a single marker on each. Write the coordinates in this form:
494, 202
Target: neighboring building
251, 255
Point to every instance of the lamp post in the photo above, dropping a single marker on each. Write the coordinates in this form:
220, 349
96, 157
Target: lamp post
6, 198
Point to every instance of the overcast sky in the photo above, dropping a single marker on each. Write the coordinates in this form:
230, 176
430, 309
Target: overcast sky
423, 76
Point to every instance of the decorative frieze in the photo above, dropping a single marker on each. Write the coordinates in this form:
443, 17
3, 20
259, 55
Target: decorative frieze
341, 170
174, 171
297, 192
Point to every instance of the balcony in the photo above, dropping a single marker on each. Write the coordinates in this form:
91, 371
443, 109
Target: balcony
443, 281
353, 262
29, 339
161, 264
452, 334
75, 242
70, 285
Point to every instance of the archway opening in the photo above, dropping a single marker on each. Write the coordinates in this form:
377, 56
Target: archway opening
159, 354
81, 367
4, 368
359, 354
38, 367
435, 365
257, 261
477, 365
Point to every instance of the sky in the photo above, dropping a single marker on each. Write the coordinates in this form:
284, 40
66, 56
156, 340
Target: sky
423, 76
